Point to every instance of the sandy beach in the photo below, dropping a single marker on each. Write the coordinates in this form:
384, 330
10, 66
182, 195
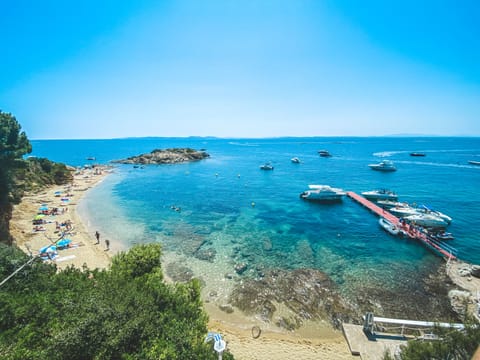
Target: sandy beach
84, 250
312, 341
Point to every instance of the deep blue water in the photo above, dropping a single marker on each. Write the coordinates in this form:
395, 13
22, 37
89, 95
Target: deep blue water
216, 196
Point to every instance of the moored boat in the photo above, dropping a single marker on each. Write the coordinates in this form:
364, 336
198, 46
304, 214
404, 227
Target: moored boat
384, 165
322, 193
427, 220
381, 194
389, 227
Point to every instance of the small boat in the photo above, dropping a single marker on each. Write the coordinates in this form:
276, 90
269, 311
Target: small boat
384, 165
91, 158
389, 227
266, 166
443, 236
417, 154
324, 153
324, 193
295, 160
472, 162
382, 194
427, 220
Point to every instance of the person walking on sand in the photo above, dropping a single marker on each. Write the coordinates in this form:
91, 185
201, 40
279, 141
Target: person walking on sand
107, 244
97, 236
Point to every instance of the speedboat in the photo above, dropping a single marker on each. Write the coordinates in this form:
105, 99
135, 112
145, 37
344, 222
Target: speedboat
324, 153
442, 236
389, 227
417, 154
403, 211
426, 210
391, 204
384, 165
382, 194
322, 193
427, 220
473, 162
266, 166
295, 160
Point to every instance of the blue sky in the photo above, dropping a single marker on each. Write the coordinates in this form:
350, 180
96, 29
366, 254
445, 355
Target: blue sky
106, 69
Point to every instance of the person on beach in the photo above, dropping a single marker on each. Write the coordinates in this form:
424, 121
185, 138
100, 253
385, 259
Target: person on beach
107, 244
97, 236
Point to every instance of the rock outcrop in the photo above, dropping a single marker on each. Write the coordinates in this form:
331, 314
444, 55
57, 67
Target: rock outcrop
166, 156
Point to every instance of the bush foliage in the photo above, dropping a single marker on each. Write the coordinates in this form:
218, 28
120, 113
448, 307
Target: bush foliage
126, 312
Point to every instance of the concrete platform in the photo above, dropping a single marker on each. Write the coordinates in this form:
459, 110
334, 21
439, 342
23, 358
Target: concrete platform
373, 347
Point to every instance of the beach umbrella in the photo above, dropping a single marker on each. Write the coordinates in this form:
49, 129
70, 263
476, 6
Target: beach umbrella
38, 217
43, 208
58, 193
63, 243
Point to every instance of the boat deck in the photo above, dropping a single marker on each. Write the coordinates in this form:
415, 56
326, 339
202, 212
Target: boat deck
442, 249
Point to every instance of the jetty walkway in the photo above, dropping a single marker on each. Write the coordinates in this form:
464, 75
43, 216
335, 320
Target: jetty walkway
444, 250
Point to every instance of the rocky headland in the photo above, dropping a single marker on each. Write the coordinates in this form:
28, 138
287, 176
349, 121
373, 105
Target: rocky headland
165, 156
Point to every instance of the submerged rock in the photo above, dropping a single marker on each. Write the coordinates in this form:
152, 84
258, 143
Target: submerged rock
167, 156
303, 293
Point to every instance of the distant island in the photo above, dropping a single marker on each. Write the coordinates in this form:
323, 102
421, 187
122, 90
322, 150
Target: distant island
166, 156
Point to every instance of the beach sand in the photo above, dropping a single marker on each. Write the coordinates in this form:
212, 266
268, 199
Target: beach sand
84, 250
312, 341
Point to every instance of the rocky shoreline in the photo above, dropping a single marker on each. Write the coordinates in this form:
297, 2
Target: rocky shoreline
165, 156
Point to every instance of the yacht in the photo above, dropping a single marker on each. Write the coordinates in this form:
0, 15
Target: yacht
382, 194
427, 220
403, 211
384, 165
426, 210
322, 193
324, 153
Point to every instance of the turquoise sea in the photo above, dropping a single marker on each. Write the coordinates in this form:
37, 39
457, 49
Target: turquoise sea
216, 198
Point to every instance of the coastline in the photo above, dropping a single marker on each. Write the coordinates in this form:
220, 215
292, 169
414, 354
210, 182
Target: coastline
311, 341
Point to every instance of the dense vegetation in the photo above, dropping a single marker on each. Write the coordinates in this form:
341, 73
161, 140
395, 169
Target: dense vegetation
127, 312
451, 344
18, 175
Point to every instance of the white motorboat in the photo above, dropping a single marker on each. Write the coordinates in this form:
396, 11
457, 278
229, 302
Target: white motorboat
295, 160
404, 211
384, 165
322, 193
473, 162
391, 204
382, 194
389, 227
427, 220
426, 210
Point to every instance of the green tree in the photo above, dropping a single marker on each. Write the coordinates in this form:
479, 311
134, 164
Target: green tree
126, 312
13, 145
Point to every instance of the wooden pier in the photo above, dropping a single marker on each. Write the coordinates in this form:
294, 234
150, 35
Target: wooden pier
448, 252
